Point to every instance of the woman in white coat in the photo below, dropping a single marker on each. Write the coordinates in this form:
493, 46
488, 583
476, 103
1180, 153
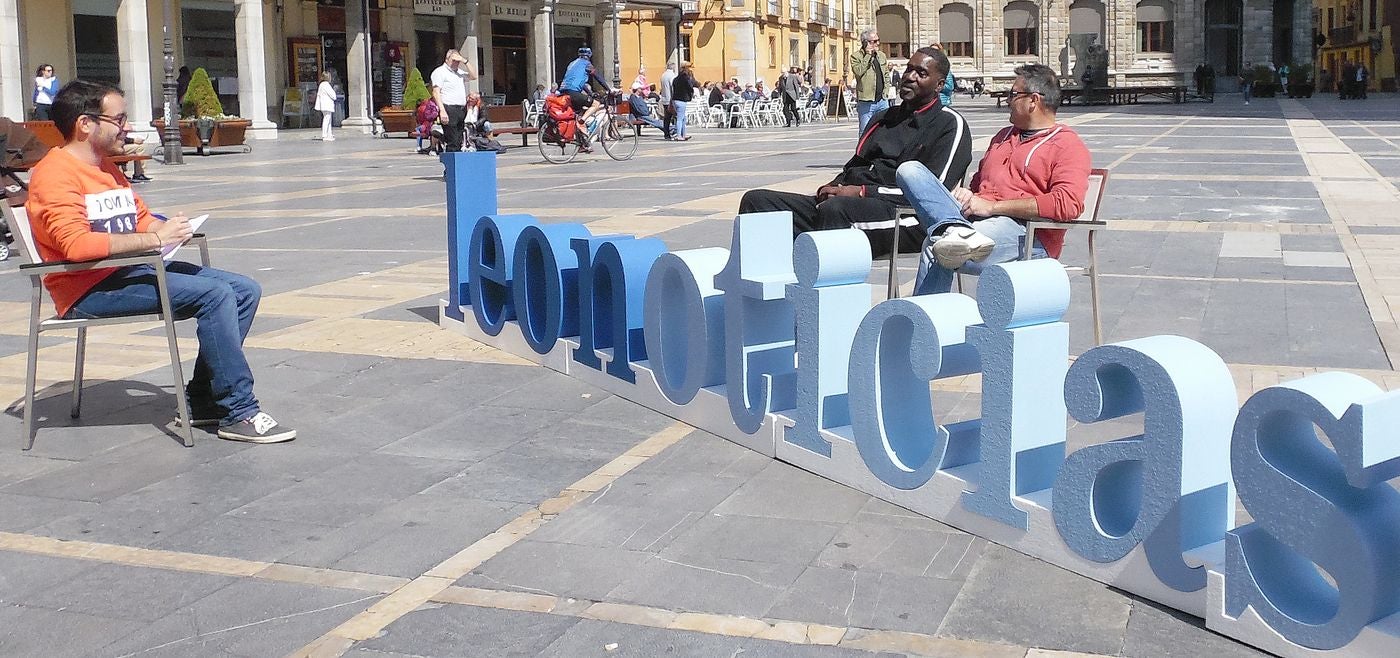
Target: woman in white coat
325, 104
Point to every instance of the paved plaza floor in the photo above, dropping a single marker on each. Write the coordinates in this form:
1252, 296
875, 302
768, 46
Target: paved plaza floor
447, 499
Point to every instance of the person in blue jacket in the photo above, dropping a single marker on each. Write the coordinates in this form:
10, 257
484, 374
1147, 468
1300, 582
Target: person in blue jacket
45, 88
577, 80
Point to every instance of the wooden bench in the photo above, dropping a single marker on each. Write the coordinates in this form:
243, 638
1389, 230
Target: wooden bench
501, 114
1088, 221
49, 135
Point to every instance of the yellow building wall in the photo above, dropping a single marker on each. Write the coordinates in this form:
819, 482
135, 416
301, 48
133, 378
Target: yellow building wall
642, 42
1381, 65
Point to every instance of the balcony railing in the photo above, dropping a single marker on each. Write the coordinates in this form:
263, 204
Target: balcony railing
1341, 36
690, 6
817, 12
831, 16
848, 21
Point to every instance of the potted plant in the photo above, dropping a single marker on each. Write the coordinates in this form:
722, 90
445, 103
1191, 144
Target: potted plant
203, 124
404, 118
1265, 83
1300, 81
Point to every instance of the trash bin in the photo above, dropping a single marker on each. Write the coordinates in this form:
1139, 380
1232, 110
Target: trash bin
340, 111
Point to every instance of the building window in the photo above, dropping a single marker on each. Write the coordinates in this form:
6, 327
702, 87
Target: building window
772, 52
1154, 26
955, 29
892, 24
685, 47
736, 3
1019, 21
831, 61
793, 52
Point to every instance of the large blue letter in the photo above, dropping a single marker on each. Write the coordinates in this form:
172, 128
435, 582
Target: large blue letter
612, 275
685, 322
900, 346
490, 269
1025, 353
831, 296
471, 195
1168, 488
759, 371
546, 284
1314, 509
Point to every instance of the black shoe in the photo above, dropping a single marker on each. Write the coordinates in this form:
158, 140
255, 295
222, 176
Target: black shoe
261, 428
141, 178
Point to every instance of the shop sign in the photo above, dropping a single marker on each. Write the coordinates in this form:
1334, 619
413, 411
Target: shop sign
435, 7
564, 15
510, 11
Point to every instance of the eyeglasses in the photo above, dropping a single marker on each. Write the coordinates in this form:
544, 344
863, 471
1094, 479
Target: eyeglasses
118, 121
1013, 94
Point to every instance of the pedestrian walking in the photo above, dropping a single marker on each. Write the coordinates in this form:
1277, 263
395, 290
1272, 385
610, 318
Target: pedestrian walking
668, 115
682, 92
790, 86
325, 104
1247, 81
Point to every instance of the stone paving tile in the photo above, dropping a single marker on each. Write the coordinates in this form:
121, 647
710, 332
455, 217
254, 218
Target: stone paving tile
1156, 632
590, 638
642, 527
782, 491
26, 631
1019, 600
116, 591
451, 630
569, 570
842, 597
708, 584
902, 551
23, 574
766, 539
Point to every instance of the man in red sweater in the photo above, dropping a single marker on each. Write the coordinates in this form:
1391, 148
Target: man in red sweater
81, 207
1033, 168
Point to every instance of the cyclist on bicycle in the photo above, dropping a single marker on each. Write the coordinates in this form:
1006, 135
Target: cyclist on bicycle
577, 79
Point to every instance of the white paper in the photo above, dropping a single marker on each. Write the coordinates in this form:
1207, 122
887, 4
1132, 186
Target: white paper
167, 252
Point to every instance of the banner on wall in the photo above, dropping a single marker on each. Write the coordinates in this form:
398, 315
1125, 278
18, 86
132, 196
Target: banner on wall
435, 7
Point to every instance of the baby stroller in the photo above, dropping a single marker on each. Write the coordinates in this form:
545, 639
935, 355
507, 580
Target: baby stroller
428, 128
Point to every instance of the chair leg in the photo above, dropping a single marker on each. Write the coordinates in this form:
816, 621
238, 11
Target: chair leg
1094, 288
78, 360
892, 286
32, 370
176, 368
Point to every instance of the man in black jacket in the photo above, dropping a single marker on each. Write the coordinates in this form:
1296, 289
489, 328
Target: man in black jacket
864, 195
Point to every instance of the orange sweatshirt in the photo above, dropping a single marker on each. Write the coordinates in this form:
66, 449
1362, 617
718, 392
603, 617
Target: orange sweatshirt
1051, 167
73, 207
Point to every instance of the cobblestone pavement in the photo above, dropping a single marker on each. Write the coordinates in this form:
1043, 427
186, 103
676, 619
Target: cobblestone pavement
446, 499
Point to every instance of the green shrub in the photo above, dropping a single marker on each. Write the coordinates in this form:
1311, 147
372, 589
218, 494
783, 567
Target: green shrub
200, 99
415, 91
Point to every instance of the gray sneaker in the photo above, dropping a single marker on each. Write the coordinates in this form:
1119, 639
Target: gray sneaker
261, 428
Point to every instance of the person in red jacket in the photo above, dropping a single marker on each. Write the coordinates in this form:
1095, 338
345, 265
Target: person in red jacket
1036, 167
81, 207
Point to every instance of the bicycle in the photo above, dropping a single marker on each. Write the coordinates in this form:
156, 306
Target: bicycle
614, 134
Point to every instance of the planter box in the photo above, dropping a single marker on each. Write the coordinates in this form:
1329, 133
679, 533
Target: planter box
227, 132
397, 120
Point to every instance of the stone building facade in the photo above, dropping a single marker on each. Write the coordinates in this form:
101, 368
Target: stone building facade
1133, 42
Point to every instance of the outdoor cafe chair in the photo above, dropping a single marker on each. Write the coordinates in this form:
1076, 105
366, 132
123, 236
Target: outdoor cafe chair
36, 269
1087, 221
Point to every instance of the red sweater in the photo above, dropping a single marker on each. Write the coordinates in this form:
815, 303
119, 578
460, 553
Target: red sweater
1051, 167
73, 208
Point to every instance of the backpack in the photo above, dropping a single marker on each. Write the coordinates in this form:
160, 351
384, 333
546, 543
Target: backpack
561, 110
427, 111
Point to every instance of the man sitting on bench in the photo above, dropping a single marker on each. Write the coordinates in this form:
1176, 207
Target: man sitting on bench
81, 207
1034, 168
639, 109
864, 195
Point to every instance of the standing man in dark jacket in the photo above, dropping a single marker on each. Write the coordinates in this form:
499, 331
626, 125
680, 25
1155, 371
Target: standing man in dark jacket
864, 195
790, 86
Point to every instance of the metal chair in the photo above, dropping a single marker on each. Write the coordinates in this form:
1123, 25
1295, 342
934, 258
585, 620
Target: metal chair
36, 269
1088, 221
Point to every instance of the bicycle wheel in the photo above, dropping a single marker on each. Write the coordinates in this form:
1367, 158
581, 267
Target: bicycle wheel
619, 139
552, 147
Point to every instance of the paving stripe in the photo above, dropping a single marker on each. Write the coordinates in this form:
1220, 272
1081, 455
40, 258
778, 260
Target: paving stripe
433, 582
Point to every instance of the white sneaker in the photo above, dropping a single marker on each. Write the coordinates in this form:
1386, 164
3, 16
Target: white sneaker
958, 245
261, 428
329, 139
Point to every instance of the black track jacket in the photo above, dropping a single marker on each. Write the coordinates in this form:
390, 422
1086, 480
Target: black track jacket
933, 134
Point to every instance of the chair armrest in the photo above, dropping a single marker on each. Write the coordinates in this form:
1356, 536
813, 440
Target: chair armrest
1073, 223
142, 258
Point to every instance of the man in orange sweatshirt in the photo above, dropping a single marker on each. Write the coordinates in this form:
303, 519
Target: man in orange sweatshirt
1036, 167
81, 207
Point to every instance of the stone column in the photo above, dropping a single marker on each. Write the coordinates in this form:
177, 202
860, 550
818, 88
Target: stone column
134, 65
542, 42
465, 23
672, 20
252, 66
357, 55
487, 71
14, 83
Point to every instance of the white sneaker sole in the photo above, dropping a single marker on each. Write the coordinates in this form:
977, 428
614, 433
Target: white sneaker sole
955, 252
280, 437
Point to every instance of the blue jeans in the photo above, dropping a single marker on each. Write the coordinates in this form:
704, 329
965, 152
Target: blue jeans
651, 122
866, 109
1247, 89
937, 210
680, 118
223, 304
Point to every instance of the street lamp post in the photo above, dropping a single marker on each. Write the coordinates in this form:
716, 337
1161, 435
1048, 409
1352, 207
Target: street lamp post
170, 137
617, 45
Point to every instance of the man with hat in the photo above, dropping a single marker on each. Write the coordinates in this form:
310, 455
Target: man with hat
450, 94
641, 111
